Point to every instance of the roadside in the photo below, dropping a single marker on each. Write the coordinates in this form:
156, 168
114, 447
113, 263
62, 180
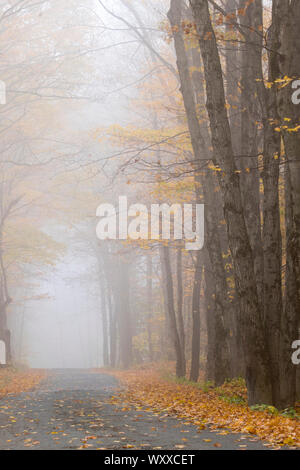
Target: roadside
224, 408
14, 380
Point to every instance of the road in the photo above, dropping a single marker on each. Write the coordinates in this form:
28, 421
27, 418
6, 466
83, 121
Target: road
71, 409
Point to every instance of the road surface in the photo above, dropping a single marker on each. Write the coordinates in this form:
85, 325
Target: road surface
71, 409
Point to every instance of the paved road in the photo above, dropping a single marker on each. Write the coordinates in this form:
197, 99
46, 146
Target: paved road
71, 410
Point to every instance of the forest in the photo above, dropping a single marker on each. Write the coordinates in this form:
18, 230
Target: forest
171, 104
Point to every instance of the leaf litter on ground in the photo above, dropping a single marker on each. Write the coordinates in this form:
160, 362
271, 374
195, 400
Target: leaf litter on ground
222, 408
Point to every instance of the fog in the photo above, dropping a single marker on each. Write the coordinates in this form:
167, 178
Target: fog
91, 87
181, 109
63, 331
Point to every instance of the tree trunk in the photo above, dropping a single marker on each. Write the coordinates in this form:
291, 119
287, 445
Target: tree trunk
272, 257
5, 336
167, 276
286, 18
201, 152
104, 328
272, 244
233, 77
121, 295
289, 321
195, 362
149, 306
256, 354
251, 59
180, 300
210, 321
112, 329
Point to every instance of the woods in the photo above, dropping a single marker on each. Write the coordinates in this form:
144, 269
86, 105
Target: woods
170, 104
236, 77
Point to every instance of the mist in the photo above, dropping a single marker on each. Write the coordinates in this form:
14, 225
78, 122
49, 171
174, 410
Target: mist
187, 107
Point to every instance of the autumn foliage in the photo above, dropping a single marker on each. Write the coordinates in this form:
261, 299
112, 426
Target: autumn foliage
223, 408
14, 381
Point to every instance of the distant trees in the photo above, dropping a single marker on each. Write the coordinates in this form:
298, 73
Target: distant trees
34, 71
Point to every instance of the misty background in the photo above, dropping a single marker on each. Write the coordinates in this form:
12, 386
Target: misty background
94, 67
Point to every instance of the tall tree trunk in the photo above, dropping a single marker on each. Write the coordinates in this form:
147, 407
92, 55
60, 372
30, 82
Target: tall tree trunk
233, 76
112, 328
168, 279
195, 362
189, 90
180, 299
149, 306
210, 306
287, 16
289, 321
104, 328
286, 59
256, 354
272, 244
5, 334
272, 257
5, 301
121, 295
222, 307
251, 59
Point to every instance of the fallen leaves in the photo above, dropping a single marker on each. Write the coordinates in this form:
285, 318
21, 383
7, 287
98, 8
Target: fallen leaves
146, 388
14, 381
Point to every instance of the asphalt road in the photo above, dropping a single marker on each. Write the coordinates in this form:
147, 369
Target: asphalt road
71, 409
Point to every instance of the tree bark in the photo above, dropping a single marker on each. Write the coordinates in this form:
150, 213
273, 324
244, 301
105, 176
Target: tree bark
121, 295
286, 62
180, 300
289, 321
195, 356
210, 320
168, 279
149, 307
112, 329
251, 59
201, 152
104, 328
256, 354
